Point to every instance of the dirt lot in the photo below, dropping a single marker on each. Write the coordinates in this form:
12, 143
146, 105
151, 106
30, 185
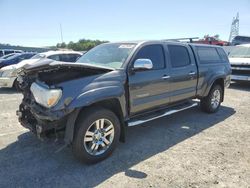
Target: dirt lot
188, 149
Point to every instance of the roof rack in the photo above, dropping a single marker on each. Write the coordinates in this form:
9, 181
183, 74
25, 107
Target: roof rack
190, 39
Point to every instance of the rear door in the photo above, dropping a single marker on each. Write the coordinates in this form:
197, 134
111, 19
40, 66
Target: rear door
149, 88
183, 72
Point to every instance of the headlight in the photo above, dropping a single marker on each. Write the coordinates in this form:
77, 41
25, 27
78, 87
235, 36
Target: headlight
44, 96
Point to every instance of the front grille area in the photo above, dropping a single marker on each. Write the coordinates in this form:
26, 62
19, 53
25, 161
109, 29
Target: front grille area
241, 72
240, 66
243, 69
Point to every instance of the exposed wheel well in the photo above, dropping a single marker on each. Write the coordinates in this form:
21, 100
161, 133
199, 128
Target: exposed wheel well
220, 81
114, 106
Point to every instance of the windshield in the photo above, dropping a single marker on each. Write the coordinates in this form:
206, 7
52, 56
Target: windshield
111, 55
38, 56
240, 52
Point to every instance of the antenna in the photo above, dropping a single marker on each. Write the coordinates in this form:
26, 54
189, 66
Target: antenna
235, 27
61, 32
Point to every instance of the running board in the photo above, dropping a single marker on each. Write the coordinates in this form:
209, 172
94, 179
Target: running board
160, 114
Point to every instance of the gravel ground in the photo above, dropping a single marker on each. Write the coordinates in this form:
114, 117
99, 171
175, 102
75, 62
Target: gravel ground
188, 149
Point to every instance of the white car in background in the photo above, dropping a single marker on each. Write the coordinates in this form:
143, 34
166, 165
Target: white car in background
8, 74
239, 59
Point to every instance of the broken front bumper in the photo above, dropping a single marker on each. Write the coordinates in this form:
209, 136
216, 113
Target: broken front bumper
41, 120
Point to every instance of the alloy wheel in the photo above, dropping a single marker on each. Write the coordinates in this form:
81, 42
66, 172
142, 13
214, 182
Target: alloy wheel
215, 100
99, 136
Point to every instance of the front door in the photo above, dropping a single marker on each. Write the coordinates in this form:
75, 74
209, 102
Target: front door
149, 89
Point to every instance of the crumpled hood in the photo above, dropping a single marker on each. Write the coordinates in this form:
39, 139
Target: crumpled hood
239, 61
54, 72
48, 64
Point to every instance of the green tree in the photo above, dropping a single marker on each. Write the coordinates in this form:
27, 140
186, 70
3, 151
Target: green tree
81, 45
63, 45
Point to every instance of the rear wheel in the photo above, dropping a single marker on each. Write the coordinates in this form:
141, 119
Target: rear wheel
211, 103
96, 136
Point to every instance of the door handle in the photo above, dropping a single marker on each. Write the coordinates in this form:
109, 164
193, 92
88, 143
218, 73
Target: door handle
192, 73
165, 77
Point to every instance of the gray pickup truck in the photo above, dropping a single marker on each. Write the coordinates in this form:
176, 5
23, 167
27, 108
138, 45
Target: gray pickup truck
117, 85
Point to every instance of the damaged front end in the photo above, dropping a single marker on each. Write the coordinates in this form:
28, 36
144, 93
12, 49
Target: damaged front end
44, 108
40, 120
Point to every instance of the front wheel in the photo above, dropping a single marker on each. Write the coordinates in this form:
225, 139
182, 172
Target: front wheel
96, 135
211, 103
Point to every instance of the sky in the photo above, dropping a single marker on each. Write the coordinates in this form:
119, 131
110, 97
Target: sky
37, 22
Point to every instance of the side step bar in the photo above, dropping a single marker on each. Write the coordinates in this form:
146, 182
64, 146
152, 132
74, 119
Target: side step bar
160, 114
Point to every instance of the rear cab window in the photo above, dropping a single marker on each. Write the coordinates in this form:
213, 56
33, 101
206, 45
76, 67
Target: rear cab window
208, 55
222, 54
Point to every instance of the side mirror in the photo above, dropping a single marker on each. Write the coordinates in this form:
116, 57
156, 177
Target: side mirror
143, 64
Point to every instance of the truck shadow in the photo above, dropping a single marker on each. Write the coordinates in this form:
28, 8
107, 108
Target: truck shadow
31, 163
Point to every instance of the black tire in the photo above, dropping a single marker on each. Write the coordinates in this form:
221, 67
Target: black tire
85, 120
16, 86
206, 102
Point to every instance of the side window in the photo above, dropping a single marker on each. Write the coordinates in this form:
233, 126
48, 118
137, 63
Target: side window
54, 57
9, 52
179, 56
154, 53
75, 57
72, 57
208, 54
68, 57
63, 57
222, 54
